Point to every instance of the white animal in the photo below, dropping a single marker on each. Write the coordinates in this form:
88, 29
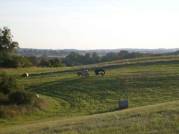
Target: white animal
25, 75
37, 95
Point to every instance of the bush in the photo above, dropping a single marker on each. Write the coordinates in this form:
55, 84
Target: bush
55, 62
14, 61
10, 111
20, 61
3, 98
7, 84
15, 95
22, 97
14, 100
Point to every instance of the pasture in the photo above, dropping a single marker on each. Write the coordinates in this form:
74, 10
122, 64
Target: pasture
144, 81
160, 118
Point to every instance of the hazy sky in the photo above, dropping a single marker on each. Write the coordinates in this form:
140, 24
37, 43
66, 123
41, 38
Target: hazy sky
92, 24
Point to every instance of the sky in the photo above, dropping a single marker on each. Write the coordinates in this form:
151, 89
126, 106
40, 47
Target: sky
92, 24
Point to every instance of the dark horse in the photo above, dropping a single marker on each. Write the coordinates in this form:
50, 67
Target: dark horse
99, 71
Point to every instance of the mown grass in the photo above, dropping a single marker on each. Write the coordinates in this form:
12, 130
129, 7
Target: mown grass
152, 82
153, 119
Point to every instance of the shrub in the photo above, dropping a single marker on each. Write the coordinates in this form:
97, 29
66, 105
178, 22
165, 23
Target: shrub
22, 97
11, 90
7, 84
14, 61
3, 98
55, 62
10, 111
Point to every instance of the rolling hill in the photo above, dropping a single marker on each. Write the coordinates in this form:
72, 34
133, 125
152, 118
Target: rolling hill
89, 105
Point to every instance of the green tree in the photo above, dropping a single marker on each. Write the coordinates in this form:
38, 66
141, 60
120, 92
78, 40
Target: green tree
73, 59
7, 45
95, 57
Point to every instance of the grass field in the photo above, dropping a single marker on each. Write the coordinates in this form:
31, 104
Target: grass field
153, 119
80, 105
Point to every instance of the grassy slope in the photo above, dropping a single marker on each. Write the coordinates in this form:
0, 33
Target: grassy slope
153, 119
152, 82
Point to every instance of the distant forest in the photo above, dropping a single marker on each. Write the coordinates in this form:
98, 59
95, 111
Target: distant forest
101, 52
72, 57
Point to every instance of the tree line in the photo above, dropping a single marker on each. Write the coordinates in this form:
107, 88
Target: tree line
74, 59
10, 58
